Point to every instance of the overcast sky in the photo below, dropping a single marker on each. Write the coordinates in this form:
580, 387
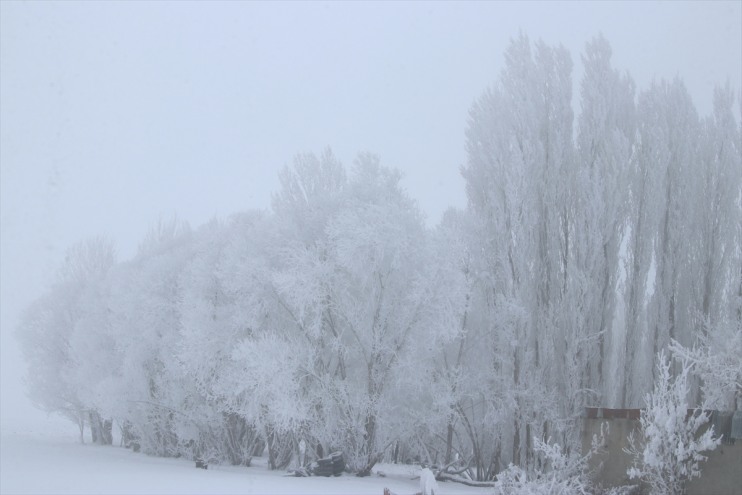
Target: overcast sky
113, 115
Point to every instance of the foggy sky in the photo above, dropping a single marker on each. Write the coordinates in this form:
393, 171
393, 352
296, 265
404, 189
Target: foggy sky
113, 115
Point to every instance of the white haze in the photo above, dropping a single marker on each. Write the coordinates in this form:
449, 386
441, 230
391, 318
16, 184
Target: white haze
116, 114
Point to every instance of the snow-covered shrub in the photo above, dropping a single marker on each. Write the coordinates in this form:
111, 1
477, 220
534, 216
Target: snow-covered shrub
560, 472
715, 358
668, 452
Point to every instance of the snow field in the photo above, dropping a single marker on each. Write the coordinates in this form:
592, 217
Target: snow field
31, 464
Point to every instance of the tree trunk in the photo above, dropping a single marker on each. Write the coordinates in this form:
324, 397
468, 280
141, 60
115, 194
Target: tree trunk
127, 436
516, 442
449, 442
94, 426
100, 430
366, 471
372, 457
108, 432
270, 443
81, 425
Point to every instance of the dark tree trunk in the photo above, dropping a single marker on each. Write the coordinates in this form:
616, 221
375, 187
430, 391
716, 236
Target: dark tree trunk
449, 442
100, 430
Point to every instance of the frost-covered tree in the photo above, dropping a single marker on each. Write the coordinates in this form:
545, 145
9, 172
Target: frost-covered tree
93, 350
605, 144
454, 363
716, 214
520, 183
442, 391
43, 334
715, 259
350, 291
685, 221
381, 292
673, 144
145, 317
47, 337
668, 451
716, 361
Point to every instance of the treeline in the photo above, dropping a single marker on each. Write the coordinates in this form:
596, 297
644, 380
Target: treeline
339, 318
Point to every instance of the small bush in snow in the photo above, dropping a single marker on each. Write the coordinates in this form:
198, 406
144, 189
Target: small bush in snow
669, 452
562, 473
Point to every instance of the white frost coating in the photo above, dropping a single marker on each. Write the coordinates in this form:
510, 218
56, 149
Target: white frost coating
669, 454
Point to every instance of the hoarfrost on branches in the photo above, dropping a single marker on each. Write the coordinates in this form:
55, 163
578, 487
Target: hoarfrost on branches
668, 451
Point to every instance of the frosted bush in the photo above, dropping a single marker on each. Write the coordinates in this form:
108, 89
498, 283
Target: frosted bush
668, 452
561, 472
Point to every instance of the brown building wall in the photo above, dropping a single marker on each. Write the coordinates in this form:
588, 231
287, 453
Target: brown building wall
721, 474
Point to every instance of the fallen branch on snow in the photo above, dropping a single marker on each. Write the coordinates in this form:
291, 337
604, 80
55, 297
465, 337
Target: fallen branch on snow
465, 481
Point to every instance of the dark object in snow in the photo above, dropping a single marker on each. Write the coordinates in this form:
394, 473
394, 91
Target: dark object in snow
201, 464
338, 463
323, 468
329, 466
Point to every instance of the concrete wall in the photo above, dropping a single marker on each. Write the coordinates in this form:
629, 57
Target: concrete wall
615, 462
721, 474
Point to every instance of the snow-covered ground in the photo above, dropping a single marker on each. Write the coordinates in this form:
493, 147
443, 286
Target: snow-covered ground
32, 463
